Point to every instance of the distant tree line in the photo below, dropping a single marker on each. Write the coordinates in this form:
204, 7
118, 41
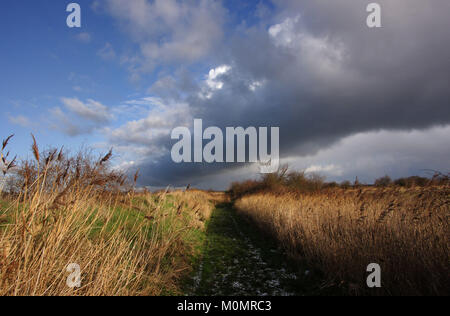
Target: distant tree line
298, 182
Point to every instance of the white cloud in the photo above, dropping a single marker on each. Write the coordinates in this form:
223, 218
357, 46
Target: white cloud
320, 55
285, 33
77, 117
372, 155
213, 76
62, 122
327, 169
255, 85
213, 82
20, 120
125, 166
91, 110
146, 138
151, 132
169, 30
107, 52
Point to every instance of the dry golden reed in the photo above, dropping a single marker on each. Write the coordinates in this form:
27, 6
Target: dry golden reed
62, 210
341, 232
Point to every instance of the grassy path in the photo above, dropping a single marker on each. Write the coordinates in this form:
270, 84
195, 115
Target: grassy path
238, 260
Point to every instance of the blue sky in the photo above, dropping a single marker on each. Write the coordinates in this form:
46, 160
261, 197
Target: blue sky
42, 61
349, 101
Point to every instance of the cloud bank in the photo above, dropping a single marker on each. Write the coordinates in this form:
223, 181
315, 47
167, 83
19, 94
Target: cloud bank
312, 68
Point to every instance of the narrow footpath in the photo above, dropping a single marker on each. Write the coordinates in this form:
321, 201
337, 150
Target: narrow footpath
238, 260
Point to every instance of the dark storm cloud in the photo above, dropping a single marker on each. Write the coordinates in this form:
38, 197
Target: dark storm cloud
325, 75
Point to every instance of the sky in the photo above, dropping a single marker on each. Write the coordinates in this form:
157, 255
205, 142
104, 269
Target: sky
350, 101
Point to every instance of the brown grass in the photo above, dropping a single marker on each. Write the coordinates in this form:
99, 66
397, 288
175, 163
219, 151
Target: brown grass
340, 232
62, 210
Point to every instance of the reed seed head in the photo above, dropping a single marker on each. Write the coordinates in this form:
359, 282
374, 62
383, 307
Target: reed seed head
35, 149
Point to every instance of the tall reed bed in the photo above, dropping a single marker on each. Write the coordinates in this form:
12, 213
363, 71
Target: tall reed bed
61, 210
340, 232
